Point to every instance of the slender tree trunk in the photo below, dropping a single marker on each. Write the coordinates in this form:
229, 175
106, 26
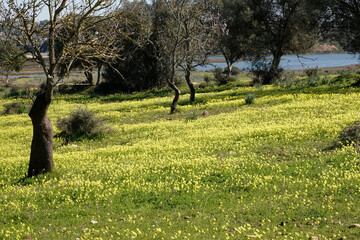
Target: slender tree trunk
89, 77
189, 83
99, 74
177, 95
229, 65
7, 77
41, 157
229, 59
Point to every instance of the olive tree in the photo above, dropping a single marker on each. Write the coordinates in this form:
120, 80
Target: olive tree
236, 31
182, 35
19, 19
285, 27
199, 28
168, 42
138, 68
343, 23
12, 58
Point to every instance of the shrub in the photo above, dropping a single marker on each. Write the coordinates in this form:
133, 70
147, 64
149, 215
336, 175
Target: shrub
311, 72
81, 124
234, 71
207, 79
250, 98
191, 117
262, 74
349, 135
16, 108
218, 70
221, 79
17, 92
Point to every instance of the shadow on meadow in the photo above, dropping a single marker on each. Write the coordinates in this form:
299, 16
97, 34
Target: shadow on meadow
154, 105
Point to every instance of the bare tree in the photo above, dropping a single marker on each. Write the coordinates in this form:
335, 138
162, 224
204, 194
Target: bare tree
199, 28
71, 25
181, 34
168, 42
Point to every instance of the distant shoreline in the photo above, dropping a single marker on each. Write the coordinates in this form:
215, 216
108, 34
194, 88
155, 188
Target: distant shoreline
221, 59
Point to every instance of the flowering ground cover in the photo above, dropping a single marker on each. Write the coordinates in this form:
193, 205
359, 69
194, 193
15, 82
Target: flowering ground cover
265, 170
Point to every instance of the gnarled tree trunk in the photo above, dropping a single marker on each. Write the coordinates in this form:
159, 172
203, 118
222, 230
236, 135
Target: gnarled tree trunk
177, 96
89, 77
190, 84
274, 68
41, 157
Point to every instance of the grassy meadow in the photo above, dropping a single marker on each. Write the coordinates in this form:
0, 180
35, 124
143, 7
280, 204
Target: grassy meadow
265, 170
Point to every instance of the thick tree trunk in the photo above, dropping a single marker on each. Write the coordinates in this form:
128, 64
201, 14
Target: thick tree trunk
89, 77
274, 68
41, 157
190, 84
177, 96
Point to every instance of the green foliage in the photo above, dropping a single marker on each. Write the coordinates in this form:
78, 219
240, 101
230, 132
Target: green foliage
349, 135
12, 58
207, 79
234, 71
312, 72
16, 108
81, 124
221, 79
218, 70
296, 82
191, 117
13, 91
250, 98
262, 73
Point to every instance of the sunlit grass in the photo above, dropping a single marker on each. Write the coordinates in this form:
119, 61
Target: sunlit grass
243, 171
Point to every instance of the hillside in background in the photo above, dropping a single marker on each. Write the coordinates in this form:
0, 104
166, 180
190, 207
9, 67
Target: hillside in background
323, 48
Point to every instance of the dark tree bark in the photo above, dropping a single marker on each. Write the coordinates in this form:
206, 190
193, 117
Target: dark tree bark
177, 96
41, 157
99, 73
89, 77
274, 70
189, 83
23, 30
7, 77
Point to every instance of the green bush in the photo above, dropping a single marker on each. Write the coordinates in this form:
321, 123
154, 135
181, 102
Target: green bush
207, 79
262, 74
16, 108
250, 98
17, 92
349, 135
311, 72
191, 117
234, 70
221, 79
81, 124
218, 70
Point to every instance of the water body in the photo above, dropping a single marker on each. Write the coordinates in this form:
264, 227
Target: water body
294, 63
288, 62
25, 76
